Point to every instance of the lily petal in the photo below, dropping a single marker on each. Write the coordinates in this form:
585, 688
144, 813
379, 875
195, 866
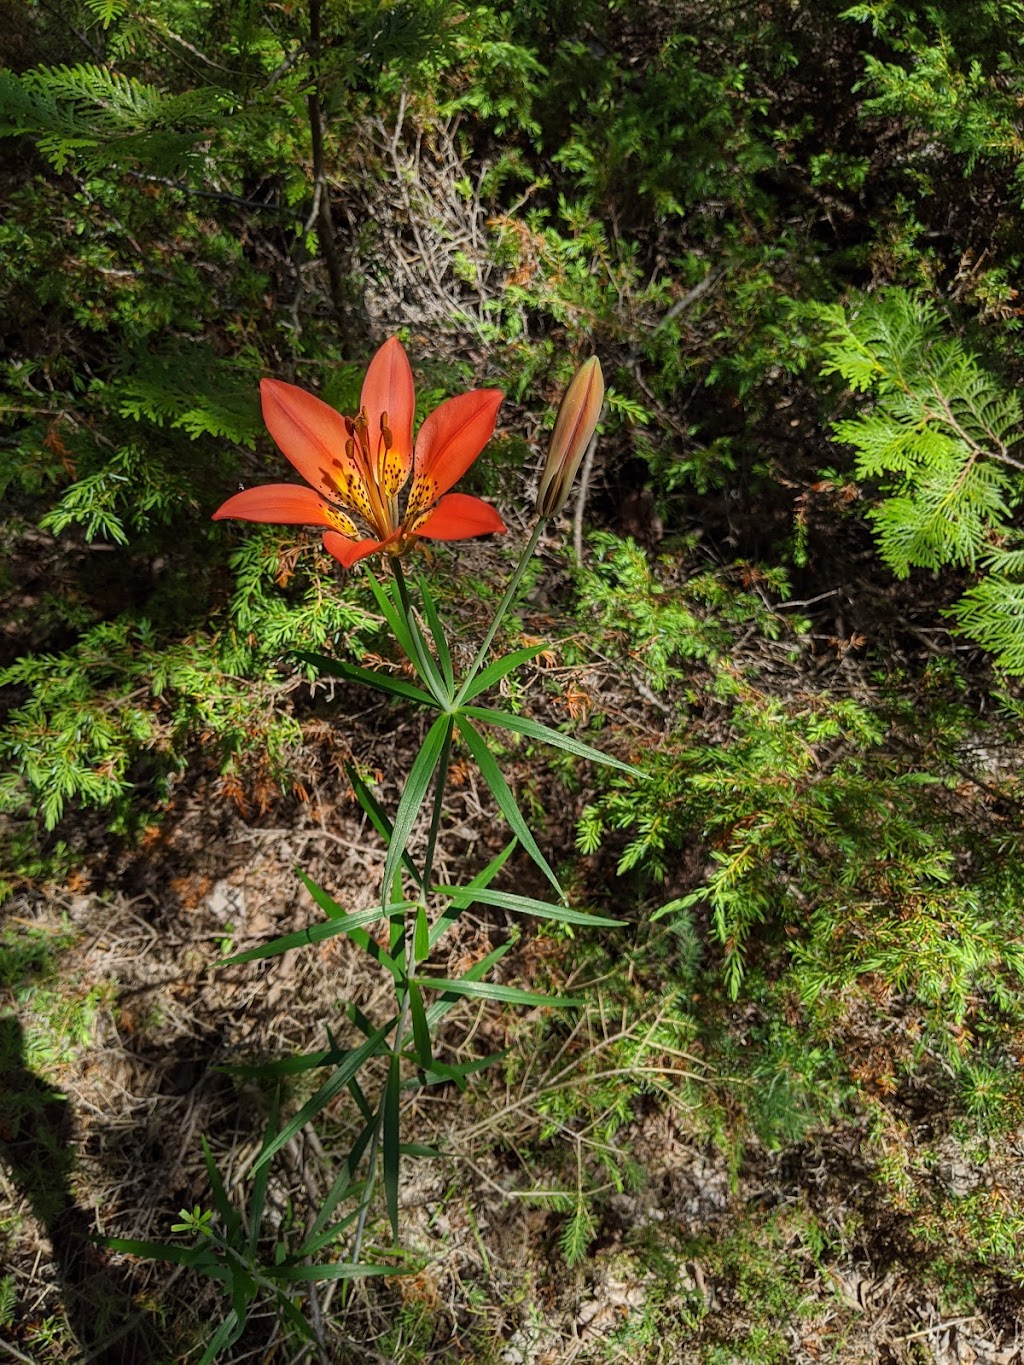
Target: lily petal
312, 436
388, 388
458, 516
288, 504
449, 441
348, 551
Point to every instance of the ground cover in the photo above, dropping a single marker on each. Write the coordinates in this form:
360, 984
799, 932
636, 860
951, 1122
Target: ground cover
784, 1122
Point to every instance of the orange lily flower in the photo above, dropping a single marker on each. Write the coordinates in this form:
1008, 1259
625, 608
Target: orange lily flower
361, 464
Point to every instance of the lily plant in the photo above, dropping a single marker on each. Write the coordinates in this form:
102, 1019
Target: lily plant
374, 489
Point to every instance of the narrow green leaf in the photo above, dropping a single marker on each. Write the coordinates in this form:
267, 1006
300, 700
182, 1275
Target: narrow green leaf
231, 1217
243, 1291
420, 1029
441, 1073
282, 1066
483, 878
494, 673
437, 1011
317, 933
318, 1240
327, 903
444, 657
421, 1149
415, 792
290, 1312
362, 1103
392, 614
411, 638
421, 935
336, 1270
391, 1140
487, 874
153, 1251
464, 896
490, 990
523, 726
370, 945
492, 775
312, 934
360, 1145
350, 924
226, 1335
382, 682
258, 1197
396, 883
352, 1065
339, 1189
396, 935
378, 818
428, 669
357, 1017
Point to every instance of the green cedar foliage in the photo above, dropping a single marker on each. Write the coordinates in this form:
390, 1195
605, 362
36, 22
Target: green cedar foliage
839, 849
96, 118
940, 442
953, 73
157, 205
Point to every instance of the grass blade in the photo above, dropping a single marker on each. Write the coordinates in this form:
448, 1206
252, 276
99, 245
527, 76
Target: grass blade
336, 1270
317, 1241
312, 934
441, 1073
421, 935
394, 617
420, 1029
226, 1335
153, 1251
261, 1178
231, 1217
378, 818
428, 669
437, 1011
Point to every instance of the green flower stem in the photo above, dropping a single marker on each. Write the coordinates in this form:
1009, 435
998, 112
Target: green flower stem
403, 593
440, 783
371, 1181
410, 618
506, 602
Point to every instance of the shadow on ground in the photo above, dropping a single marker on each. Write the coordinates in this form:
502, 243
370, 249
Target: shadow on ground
37, 1148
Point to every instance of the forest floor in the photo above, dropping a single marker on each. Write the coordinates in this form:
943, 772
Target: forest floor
116, 1025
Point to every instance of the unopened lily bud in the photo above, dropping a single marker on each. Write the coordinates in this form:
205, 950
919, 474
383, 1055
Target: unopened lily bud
574, 426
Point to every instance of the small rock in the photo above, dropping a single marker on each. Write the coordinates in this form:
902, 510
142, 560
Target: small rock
226, 902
